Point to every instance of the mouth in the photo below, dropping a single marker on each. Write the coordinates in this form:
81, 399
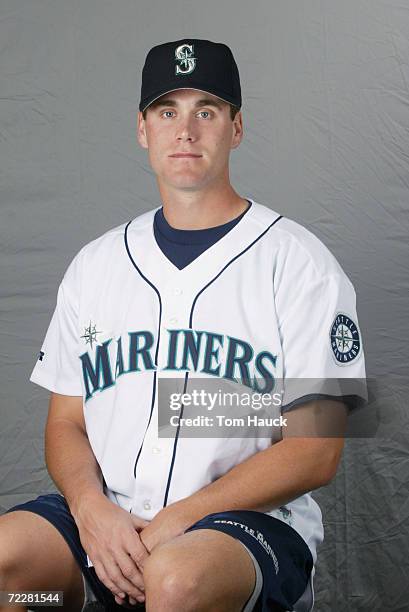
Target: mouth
183, 155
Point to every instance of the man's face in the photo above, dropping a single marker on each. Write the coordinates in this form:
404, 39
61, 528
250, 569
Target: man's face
189, 122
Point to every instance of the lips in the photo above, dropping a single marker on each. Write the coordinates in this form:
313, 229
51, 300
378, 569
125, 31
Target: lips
181, 155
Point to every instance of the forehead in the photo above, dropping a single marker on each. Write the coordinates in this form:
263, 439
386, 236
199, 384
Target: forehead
191, 96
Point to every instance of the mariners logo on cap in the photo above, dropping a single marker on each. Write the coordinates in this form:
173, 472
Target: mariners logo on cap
345, 339
185, 60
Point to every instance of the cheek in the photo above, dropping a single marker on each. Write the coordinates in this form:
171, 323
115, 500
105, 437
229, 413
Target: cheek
222, 147
156, 146
152, 139
223, 142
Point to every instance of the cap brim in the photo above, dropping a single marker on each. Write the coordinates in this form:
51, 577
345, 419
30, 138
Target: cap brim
221, 95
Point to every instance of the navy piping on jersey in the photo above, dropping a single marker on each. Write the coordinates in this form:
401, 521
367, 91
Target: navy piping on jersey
157, 343
190, 327
353, 401
228, 264
165, 501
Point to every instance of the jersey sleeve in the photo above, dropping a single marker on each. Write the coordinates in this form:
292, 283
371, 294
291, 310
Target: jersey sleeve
58, 367
322, 349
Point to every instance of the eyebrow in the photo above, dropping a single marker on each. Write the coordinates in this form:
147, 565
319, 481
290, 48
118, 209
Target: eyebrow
173, 103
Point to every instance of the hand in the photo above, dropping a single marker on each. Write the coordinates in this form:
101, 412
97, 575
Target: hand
110, 536
167, 524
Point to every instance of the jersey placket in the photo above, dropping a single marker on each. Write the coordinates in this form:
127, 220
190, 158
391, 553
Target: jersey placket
155, 459
179, 292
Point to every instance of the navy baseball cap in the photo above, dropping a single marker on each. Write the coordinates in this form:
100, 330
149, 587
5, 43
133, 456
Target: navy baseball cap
190, 63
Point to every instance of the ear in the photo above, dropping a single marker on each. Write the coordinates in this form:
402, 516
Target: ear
141, 131
237, 128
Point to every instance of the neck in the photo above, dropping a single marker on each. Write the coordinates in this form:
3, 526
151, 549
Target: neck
201, 209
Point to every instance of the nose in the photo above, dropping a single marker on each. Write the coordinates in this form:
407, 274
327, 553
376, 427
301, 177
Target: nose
185, 131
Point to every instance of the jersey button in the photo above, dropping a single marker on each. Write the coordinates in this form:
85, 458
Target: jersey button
156, 450
177, 291
173, 320
146, 504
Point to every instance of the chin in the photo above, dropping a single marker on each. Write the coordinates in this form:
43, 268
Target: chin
188, 183
187, 186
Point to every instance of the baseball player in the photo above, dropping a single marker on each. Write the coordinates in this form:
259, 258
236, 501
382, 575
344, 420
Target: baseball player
209, 285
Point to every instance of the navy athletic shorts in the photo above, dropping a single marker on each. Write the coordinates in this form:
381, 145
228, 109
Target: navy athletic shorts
282, 560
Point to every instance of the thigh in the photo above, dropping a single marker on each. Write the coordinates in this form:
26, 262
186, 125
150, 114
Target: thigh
34, 556
281, 553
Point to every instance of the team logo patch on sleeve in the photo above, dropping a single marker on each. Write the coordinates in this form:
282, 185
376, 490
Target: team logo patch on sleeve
345, 339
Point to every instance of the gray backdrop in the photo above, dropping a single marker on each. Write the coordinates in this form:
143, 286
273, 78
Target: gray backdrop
325, 87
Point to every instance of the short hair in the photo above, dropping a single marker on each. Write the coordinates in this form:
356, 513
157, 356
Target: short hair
233, 111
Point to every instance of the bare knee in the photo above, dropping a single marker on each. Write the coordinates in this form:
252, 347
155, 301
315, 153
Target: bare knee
9, 560
11, 576
35, 557
169, 584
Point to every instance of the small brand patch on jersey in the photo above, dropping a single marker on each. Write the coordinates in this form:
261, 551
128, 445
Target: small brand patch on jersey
345, 339
185, 60
286, 514
40, 355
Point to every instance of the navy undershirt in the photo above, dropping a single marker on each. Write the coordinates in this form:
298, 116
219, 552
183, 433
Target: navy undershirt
181, 247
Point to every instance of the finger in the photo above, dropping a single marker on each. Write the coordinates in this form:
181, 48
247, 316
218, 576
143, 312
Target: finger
139, 522
130, 570
119, 600
125, 603
110, 574
122, 584
104, 578
137, 551
132, 602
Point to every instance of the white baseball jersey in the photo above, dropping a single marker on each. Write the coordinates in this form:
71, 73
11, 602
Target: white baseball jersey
267, 301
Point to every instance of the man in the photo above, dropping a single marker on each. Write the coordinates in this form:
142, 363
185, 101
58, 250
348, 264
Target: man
208, 285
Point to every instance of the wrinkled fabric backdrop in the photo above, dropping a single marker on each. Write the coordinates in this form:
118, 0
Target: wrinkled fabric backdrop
326, 114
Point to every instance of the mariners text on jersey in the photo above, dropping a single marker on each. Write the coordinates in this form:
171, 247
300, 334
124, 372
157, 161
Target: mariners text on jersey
188, 350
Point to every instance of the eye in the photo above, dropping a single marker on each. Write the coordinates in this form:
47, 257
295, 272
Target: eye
168, 111
205, 112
